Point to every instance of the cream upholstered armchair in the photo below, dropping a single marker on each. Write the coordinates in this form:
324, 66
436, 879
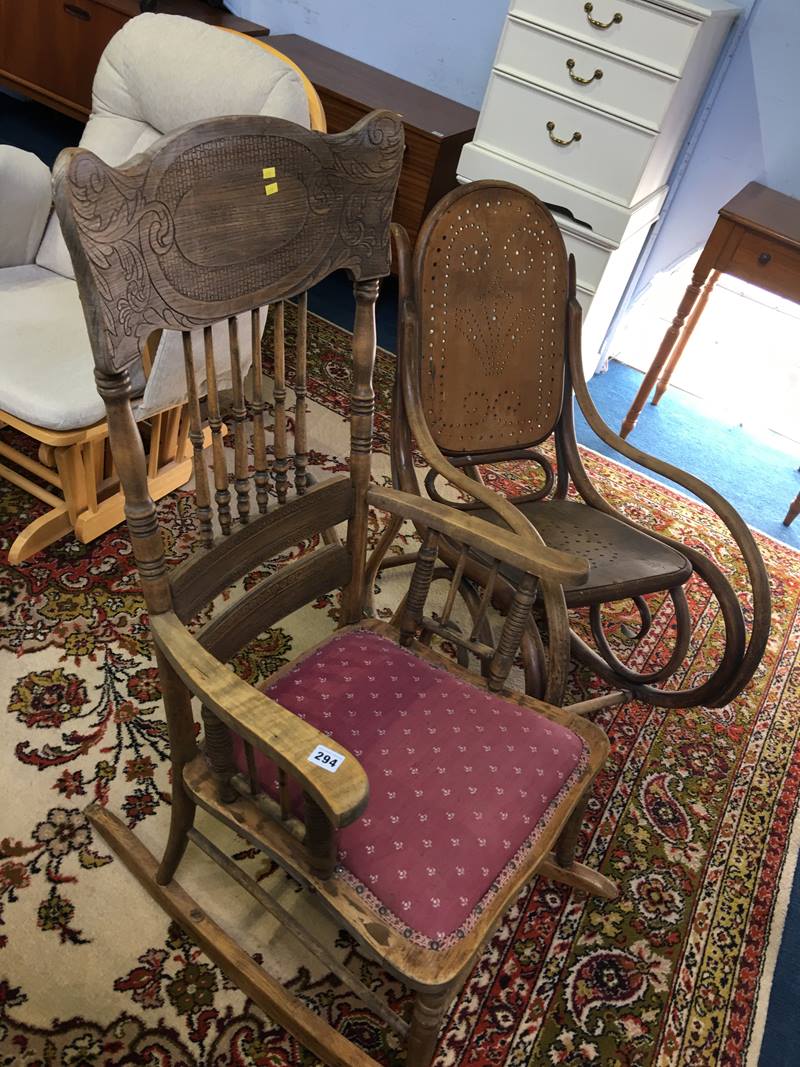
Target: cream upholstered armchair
158, 73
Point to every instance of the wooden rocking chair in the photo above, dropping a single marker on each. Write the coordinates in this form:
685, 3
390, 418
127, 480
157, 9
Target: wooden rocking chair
489, 359
416, 882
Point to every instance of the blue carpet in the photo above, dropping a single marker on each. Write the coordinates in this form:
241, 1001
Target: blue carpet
756, 472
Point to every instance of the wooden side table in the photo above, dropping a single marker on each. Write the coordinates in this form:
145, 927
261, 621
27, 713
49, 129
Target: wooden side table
756, 238
436, 128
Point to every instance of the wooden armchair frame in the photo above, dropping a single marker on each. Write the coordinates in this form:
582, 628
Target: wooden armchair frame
334, 213
428, 310
82, 487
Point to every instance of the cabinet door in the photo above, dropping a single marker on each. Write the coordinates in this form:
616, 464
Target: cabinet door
52, 48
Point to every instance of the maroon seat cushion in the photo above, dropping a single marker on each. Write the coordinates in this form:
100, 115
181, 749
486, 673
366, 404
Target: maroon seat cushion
461, 780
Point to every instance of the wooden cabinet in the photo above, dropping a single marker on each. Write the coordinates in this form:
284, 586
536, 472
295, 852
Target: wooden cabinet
49, 49
587, 106
436, 128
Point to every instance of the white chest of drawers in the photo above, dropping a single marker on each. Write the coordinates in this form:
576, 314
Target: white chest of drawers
587, 106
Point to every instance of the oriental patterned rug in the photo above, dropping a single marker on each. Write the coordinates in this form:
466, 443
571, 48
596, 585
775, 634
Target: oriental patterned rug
692, 818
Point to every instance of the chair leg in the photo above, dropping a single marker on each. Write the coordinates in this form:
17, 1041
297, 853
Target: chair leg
376, 559
68, 463
183, 748
426, 1021
40, 534
561, 866
568, 838
181, 822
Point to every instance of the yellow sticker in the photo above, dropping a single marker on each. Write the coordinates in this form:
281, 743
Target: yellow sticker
270, 187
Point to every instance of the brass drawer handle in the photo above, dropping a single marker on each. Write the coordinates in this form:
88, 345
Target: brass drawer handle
598, 74
558, 140
589, 8
764, 259
78, 12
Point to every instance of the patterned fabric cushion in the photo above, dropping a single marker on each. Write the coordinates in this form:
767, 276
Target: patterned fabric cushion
461, 780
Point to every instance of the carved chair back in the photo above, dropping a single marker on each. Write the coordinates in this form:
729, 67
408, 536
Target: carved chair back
217, 220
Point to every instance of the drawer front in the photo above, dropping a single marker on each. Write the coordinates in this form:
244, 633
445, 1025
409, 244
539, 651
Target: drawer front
644, 32
56, 46
608, 157
591, 258
770, 264
614, 84
585, 298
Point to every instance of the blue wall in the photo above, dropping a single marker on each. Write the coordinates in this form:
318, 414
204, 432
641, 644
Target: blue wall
444, 45
448, 46
751, 133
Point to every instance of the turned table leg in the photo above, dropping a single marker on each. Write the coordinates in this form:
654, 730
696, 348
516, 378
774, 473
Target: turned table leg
793, 512
686, 333
674, 341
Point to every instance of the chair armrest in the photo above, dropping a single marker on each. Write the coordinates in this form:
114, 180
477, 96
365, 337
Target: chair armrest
274, 730
502, 545
722, 507
25, 202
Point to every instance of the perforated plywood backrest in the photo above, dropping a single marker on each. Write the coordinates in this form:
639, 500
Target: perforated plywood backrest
491, 278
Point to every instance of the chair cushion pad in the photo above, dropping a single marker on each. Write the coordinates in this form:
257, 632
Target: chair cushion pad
461, 780
46, 366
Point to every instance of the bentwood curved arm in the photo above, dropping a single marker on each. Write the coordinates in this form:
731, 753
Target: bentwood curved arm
741, 657
509, 548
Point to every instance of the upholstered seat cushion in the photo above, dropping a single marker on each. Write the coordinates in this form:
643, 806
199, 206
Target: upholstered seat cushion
161, 72
46, 366
461, 780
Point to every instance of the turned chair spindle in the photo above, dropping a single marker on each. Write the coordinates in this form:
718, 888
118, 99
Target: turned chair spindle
222, 495
258, 408
196, 436
279, 396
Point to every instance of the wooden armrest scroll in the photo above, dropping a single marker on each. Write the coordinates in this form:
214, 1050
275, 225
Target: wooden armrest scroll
502, 545
269, 727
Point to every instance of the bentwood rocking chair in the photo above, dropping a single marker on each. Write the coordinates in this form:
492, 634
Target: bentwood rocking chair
487, 788
489, 359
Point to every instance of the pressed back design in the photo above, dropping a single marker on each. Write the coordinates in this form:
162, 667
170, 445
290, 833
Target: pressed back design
492, 277
211, 224
192, 231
